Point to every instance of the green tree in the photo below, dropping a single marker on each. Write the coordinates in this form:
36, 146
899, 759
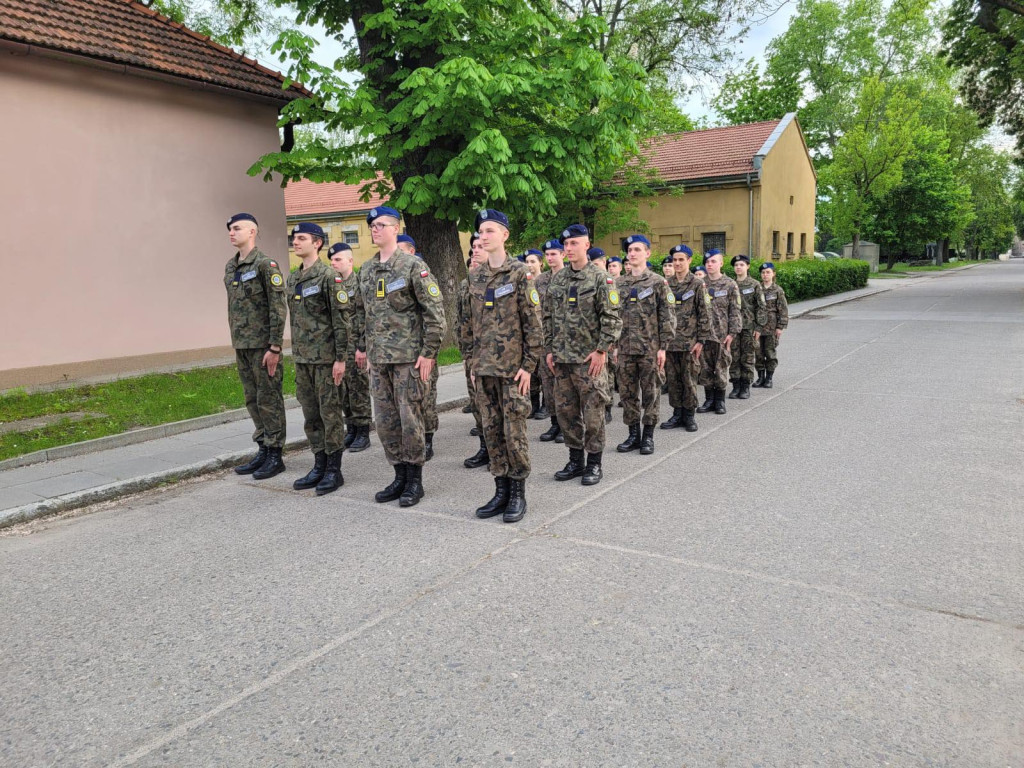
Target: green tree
989, 173
462, 105
985, 40
752, 97
247, 26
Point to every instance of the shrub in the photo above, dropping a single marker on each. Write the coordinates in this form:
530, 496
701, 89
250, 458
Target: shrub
809, 278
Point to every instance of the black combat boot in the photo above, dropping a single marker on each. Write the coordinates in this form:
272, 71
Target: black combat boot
560, 437
394, 490
744, 393
497, 503
474, 432
676, 420
429, 445
760, 379
709, 400
647, 440
534, 404
271, 466
254, 463
735, 391
315, 475
553, 431
575, 467
350, 434
516, 507
720, 401
332, 479
768, 379
608, 414
689, 423
413, 485
592, 475
362, 439
478, 459
632, 442
467, 408
541, 413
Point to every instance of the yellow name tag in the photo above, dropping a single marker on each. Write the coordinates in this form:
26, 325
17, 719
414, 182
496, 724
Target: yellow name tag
380, 288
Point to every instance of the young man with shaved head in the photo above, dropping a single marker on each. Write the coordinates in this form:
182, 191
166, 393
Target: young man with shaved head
256, 317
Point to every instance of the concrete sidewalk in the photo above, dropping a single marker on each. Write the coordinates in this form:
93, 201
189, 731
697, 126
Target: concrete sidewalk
129, 466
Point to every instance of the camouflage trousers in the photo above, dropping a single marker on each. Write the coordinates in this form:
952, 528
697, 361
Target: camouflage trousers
263, 397
743, 357
547, 382
503, 412
714, 365
355, 395
580, 400
681, 372
767, 358
323, 417
472, 397
430, 422
639, 388
399, 397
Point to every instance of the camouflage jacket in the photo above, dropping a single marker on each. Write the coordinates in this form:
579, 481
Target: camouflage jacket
724, 307
462, 315
320, 311
581, 314
777, 312
752, 306
357, 331
256, 303
503, 332
402, 308
648, 322
541, 283
693, 320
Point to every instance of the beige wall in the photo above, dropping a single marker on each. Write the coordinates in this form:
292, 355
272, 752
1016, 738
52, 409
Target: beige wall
113, 201
788, 194
686, 218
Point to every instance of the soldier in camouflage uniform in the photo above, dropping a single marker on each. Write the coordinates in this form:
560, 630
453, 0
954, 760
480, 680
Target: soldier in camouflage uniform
726, 323
319, 310
615, 266
430, 421
462, 311
581, 321
404, 322
554, 255
355, 387
742, 370
768, 336
256, 316
598, 258
648, 326
503, 338
693, 328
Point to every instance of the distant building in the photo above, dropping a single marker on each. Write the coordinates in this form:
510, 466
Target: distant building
747, 189
126, 140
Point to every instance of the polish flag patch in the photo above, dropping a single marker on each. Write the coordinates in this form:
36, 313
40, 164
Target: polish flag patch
424, 273
273, 264
610, 281
337, 279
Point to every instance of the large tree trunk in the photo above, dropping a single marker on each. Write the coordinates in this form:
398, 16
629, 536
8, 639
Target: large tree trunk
855, 251
438, 241
944, 251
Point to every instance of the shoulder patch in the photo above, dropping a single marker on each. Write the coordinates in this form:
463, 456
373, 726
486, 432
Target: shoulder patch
610, 280
337, 279
534, 296
529, 275
273, 264
433, 290
424, 273
276, 280
613, 297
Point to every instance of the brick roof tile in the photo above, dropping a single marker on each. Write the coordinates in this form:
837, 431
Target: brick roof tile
306, 198
127, 32
711, 153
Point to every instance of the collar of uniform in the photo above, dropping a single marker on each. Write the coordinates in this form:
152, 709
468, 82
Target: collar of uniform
253, 255
506, 266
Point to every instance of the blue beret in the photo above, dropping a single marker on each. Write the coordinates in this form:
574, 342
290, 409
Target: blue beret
699, 268
615, 258
767, 265
382, 210
595, 253
635, 239
575, 230
338, 247
406, 239
553, 245
681, 249
648, 265
714, 252
242, 217
739, 257
522, 257
489, 214
309, 228
473, 238
534, 251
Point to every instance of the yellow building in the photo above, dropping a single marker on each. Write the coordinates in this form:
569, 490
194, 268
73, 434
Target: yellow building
747, 189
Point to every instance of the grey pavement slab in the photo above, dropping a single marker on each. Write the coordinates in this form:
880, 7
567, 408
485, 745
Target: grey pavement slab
16, 497
56, 486
552, 653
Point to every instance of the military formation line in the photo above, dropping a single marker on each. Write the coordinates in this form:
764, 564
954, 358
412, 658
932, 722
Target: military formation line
535, 343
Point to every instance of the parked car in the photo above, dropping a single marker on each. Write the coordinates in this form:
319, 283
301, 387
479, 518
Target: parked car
826, 256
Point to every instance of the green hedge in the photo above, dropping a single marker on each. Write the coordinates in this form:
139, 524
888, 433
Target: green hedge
809, 278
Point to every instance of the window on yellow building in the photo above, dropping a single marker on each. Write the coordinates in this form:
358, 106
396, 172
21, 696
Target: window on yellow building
803, 242
789, 243
352, 238
775, 242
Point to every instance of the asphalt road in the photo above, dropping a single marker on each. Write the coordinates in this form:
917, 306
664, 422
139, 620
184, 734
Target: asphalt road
830, 575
